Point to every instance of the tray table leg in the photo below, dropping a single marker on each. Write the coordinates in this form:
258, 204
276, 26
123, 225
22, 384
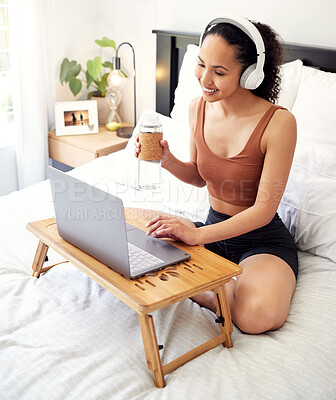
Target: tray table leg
39, 258
224, 310
151, 349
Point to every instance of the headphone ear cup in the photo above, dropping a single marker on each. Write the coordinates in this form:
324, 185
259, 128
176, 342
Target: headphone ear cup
245, 80
251, 78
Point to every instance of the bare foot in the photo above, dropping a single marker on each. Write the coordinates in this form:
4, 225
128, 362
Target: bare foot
206, 299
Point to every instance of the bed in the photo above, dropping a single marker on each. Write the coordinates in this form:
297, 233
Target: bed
64, 337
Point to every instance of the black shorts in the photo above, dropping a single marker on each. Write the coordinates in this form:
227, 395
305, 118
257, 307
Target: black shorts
273, 238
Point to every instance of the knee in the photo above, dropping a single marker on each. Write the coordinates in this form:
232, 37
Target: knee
256, 314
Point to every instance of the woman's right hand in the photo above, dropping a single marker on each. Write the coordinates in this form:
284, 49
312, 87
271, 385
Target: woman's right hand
167, 156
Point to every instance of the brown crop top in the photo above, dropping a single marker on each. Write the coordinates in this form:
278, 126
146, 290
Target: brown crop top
234, 180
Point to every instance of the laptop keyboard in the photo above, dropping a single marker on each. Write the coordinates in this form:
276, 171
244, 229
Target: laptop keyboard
140, 259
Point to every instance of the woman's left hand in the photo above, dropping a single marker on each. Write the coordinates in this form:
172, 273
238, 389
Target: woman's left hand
173, 228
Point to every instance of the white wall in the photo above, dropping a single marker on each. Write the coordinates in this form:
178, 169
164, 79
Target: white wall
73, 32
294, 20
133, 22
72, 27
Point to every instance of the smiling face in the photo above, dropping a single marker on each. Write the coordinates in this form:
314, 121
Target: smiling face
217, 70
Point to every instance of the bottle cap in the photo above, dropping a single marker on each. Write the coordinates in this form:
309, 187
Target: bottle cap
150, 118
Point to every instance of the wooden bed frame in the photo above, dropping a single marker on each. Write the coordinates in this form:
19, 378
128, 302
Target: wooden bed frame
171, 46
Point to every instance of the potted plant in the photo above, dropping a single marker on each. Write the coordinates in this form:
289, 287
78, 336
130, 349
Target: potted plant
94, 76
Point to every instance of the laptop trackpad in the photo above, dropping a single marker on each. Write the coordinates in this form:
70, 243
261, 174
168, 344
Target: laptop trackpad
157, 247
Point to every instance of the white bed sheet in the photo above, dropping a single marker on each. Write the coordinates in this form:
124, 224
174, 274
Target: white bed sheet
63, 337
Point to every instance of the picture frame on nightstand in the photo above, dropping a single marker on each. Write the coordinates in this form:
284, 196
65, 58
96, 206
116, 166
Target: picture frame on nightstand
76, 117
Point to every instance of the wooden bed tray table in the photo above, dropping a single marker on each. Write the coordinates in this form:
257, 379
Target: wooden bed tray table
203, 271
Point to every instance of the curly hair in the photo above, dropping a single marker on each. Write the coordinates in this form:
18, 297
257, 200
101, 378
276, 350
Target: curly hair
245, 50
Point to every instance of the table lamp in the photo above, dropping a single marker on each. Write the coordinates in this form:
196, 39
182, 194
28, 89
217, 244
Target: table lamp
116, 81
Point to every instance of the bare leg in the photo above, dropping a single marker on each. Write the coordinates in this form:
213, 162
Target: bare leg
260, 298
207, 299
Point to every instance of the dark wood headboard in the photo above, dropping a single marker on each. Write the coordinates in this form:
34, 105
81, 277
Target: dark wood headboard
171, 46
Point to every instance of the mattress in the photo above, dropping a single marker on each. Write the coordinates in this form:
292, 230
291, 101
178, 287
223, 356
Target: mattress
62, 336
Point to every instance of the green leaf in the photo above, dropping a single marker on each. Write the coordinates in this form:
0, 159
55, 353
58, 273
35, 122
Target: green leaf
75, 85
104, 78
101, 87
108, 64
77, 69
106, 42
94, 67
73, 72
66, 67
89, 79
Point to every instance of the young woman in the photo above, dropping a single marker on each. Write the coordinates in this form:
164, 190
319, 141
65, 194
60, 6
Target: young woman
241, 147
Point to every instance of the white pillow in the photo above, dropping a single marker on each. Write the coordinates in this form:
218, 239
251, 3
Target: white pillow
188, 87
308, 204
290, 80
315, 108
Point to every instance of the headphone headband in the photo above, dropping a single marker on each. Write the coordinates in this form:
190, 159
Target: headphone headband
252, 32
245, 25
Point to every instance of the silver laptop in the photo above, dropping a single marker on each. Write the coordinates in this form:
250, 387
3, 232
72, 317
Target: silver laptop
94, 221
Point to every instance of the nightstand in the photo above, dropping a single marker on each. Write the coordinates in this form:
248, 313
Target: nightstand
76, 150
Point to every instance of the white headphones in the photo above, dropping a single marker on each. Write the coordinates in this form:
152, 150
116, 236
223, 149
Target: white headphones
252, 77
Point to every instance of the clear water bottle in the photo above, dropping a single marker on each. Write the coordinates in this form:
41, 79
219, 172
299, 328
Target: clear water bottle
149, 164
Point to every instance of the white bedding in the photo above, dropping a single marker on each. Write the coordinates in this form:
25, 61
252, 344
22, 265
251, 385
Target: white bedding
64, 337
